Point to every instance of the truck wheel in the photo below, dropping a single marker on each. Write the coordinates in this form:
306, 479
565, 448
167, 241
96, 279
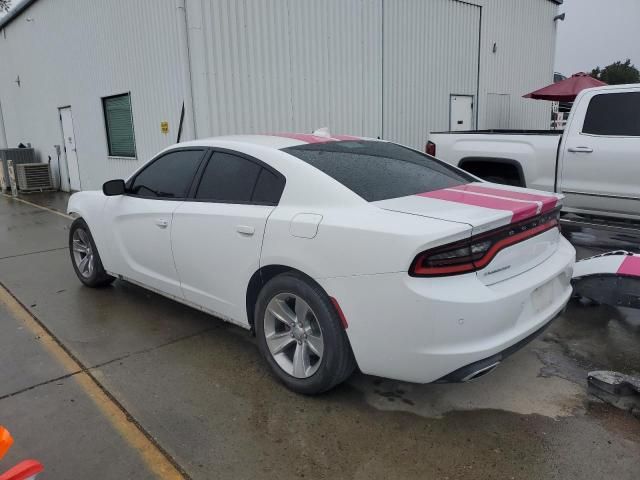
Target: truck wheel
300, 335
85, 257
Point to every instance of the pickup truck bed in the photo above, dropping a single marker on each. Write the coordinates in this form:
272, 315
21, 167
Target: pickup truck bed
523, 158
593, 162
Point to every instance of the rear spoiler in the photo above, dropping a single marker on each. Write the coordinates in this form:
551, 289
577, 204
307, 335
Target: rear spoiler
612, 278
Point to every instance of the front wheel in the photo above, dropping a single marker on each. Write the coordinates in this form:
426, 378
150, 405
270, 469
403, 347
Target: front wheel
300, 335
85, 257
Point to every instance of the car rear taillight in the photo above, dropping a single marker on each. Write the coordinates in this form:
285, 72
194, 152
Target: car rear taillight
477, 252
430, 148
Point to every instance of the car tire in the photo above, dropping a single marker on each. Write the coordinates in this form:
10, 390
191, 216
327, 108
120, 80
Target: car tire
85, 257
336, 363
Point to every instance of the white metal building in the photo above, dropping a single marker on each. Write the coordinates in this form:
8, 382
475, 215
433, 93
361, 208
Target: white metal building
108, 79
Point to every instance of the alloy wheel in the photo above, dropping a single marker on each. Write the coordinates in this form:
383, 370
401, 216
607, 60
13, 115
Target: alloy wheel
83, 254
293, 335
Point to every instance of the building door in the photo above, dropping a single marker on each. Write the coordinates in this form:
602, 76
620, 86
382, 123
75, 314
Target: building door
70, 154
461, 113
498, 110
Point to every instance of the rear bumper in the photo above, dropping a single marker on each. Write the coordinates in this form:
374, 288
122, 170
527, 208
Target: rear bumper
486, 365
425, 329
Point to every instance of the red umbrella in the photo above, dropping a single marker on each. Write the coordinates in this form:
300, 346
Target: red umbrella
566, 90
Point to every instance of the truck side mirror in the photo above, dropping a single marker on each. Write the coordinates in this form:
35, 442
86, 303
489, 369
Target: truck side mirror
114, 187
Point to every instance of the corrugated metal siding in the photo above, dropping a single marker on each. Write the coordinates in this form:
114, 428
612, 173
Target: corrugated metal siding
300, 64
430, 53
73, 53
292, 65
525, 34
265, 66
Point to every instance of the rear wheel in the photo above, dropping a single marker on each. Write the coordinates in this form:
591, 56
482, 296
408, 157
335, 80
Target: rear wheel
85, 257
300, 335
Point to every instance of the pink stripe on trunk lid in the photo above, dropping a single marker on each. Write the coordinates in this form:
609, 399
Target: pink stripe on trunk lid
520, 210
549, 202
630, 266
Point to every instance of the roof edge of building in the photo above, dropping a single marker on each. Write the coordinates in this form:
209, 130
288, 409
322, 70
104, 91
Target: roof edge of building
25, 4
13, 14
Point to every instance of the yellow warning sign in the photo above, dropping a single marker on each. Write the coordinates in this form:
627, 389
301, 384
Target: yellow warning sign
164, 127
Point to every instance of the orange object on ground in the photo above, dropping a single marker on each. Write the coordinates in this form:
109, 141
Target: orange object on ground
26, 470
6, 440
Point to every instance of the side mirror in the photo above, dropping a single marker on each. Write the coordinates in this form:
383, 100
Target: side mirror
114, 187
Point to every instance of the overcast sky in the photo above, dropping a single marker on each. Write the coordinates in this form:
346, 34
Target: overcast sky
597, 33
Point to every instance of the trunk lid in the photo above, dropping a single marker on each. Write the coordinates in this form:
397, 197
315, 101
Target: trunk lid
486, 207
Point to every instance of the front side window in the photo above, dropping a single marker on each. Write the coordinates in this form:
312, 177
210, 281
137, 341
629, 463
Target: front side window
168, 177
613, 114
379, 170
119, 124
232, 179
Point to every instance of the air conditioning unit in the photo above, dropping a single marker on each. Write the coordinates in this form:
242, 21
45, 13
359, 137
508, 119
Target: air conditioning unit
34, 176
18, 155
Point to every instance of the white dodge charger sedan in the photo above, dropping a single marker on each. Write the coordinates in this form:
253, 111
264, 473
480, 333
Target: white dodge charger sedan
337, 251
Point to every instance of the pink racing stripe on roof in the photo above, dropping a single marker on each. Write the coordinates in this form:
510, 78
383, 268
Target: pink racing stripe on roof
630, 266
549, 202
305, 137
520, 210
310, 138
345, 137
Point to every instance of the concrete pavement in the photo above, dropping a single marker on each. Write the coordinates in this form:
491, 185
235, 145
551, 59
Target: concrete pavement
197, 391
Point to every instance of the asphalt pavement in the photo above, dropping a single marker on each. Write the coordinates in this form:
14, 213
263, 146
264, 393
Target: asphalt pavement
123, 383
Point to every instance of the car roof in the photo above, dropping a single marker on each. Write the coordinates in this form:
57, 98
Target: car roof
306, 185
276, 141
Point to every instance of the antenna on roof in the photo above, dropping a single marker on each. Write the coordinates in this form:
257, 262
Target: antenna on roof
322, 132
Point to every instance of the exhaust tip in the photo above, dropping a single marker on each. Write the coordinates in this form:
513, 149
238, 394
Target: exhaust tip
480, 373
472, 371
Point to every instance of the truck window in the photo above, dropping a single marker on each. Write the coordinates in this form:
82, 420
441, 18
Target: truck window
613, 114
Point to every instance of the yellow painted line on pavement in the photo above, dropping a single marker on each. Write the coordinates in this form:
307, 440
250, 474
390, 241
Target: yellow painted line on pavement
37, 206
151, 455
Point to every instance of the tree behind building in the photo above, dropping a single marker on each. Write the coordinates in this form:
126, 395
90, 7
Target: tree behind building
617, 73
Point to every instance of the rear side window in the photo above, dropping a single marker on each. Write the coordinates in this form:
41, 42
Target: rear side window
379, 170
613, 114
269, 187
232, 179
167, 177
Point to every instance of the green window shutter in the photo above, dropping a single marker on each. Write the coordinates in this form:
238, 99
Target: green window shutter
117, 114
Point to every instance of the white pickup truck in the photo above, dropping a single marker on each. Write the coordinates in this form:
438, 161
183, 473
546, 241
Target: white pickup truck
595, 162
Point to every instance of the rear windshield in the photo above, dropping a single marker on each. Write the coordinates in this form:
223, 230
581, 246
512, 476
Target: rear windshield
379, 170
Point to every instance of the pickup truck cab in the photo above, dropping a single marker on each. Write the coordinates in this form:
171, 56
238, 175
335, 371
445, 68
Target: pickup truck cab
595, 162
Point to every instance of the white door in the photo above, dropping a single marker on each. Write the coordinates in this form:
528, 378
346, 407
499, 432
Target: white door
217, 239
600, 160
139, 223
141, 241
461, 113
70, 153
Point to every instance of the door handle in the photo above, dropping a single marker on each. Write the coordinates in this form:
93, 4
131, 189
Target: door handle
162, 223
245, 230
581, 150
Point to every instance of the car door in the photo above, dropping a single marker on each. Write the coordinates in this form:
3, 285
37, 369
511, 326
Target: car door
601, 163
217, 235
140, 222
